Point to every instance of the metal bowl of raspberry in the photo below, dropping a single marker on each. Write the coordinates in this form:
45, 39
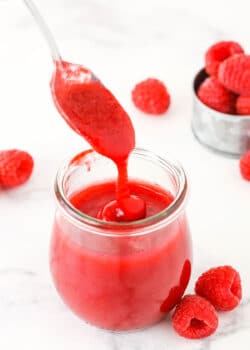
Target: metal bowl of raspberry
220, 130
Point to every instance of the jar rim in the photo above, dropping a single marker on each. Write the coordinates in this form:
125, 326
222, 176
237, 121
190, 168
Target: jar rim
137, 227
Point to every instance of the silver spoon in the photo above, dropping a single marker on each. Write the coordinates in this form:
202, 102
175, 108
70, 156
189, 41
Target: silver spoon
73, 80
72, 74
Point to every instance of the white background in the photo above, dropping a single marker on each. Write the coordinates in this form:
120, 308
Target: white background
122, 42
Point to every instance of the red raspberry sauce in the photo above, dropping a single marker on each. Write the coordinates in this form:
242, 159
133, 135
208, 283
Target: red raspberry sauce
93, 112
92, 199
123, 283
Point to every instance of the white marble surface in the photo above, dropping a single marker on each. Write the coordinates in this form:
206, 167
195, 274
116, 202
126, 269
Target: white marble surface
123, 42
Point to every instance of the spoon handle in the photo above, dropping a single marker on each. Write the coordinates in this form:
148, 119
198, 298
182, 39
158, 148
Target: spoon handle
44, 29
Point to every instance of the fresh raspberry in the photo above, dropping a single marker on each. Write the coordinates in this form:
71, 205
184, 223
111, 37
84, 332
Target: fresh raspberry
234, 74
245, 166
215, 96
194, 317
243, 105
15, 168
221, 286
218, 52
151, 96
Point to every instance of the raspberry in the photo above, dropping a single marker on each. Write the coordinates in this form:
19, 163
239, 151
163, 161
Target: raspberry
15, 168
234, 74
194, 317
217, 53
243, 105
151, 96
221, 286
215, 96
245, 166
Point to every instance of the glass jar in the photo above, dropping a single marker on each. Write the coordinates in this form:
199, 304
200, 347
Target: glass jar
120, 276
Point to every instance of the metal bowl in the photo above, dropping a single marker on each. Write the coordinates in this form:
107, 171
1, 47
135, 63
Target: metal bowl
220, 132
